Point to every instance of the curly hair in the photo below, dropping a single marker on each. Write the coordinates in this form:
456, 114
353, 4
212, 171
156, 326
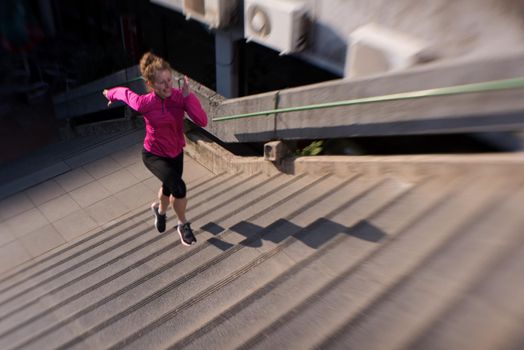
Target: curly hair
150, 64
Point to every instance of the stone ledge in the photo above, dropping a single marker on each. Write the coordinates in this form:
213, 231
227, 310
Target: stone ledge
408, 167
218, 160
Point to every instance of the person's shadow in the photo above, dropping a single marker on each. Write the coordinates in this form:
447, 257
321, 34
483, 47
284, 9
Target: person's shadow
314, 235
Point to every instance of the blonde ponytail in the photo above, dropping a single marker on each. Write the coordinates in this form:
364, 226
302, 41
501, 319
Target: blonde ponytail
150, 64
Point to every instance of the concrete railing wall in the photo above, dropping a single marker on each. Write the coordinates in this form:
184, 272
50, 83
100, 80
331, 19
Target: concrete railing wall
88, 98
486, 111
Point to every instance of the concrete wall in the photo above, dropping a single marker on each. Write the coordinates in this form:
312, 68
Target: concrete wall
456, 29
472, 112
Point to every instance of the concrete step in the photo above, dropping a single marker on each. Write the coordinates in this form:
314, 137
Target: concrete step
132, 295
490, 309
30, 293
125, 263
249, 304
46, 262
78, 255
222, 271
318, 317
102, 258
286, 291
419, 299
364, 260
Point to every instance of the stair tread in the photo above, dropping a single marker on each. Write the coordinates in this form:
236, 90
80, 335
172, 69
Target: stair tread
436, 284
359, 287
328, 240
167, 258
489, 308
189, 262
38, 270
221, 268
280, 296
287, 261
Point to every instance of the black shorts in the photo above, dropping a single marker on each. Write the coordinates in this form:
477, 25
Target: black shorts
168, 171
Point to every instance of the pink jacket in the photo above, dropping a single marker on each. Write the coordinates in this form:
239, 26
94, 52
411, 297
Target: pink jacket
164, 118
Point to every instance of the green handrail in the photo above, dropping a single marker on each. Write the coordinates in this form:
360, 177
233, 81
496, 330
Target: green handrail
505, 84
124, 83
96, 92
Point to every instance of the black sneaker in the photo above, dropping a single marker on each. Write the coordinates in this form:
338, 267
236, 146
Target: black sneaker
160, 220
186, 234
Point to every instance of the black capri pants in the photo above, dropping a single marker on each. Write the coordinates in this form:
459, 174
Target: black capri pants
168, 171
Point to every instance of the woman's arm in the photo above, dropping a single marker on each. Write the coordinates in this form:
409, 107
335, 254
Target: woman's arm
192, 106
125, 95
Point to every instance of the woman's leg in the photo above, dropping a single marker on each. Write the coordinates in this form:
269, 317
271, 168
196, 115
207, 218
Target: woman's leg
179, 205
161, 168
178, 198
183, 228
163, 202
179, 202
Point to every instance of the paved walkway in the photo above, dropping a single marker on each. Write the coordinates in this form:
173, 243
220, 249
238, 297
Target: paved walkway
78, 202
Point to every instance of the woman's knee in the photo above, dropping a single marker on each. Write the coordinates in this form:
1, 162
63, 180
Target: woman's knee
180, 190
165, 190
177, 188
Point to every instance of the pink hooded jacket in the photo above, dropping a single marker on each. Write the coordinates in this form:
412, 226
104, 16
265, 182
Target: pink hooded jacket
164, 118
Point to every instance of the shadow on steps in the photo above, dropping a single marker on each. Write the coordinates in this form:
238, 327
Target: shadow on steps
281, 229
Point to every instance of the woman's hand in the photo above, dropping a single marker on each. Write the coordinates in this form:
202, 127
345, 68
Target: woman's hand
105, 95
185, 87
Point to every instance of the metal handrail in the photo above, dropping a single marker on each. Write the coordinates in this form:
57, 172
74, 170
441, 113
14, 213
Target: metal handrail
98, 91
494, 85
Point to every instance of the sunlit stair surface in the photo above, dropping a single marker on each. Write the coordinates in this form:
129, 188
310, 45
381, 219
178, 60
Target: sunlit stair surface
289, 262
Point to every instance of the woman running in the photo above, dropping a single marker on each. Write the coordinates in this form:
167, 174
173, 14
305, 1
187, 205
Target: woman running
163, 154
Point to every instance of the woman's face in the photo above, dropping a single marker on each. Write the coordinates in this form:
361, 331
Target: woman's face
163, 83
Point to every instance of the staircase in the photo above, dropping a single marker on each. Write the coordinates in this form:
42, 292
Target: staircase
289, 262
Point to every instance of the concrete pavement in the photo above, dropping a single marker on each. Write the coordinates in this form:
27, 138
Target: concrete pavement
79, 202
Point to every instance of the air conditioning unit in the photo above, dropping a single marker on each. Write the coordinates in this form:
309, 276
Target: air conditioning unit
214, 13
278, 24
375, 49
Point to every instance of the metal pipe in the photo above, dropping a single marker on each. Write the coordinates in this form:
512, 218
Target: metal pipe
495, 85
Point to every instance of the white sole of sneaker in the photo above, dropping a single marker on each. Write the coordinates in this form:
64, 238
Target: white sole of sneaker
181, 240
153, 206
153, 211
